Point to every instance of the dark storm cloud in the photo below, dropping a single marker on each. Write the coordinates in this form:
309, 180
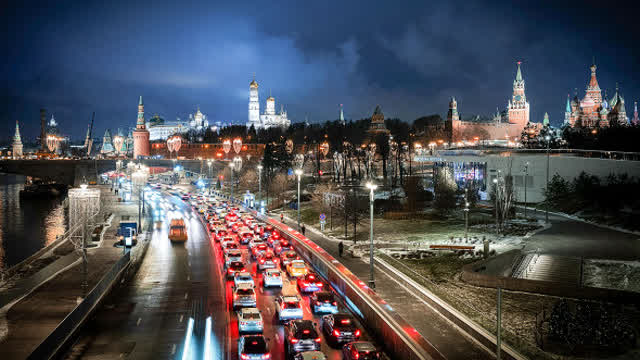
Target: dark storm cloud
77, 57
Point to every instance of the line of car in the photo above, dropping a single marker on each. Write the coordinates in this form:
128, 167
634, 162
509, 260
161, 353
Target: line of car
235, 231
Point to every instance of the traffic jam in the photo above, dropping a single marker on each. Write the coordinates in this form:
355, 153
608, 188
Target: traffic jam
278, 307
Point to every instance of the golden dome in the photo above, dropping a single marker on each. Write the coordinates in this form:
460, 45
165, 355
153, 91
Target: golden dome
253, 84
271, 98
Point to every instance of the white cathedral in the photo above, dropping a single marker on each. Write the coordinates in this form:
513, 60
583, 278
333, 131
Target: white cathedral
269, 118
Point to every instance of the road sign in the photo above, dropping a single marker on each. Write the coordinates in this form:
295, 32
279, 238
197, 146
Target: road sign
323, 217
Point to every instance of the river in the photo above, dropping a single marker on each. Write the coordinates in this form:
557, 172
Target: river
26, 225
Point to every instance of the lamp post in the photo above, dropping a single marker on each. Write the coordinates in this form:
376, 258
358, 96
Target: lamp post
138, 179
546, 216
209, 163
466, 214
298, 173
495, 181
231, 165
371, 187
526, 175
259, 182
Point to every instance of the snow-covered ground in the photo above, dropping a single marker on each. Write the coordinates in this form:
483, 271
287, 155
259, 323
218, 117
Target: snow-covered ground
611, 274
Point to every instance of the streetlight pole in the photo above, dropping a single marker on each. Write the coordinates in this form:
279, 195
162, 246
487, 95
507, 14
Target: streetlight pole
546, 216
371, 187
466, 214
299, 174
495, 181
260, 182
526, 175
232, 183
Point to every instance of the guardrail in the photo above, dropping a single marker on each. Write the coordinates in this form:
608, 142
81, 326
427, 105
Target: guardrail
400, 339
56, 341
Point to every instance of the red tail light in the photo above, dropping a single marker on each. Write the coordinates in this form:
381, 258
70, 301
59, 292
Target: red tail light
266, 356
318, 339
345, 321
319, 284
305, 331
261, 261
357, 333
244, 357
336, 333
318, 303
335, 303
294, 340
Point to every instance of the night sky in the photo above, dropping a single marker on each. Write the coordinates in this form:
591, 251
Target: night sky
75, 57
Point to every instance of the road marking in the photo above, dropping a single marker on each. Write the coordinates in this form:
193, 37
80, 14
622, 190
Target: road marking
138, 323
186, 295
173, 349
181, 317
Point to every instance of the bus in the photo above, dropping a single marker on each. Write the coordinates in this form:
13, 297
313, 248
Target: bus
177, 231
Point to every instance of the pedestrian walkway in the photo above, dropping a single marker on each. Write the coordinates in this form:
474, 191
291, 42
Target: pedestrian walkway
445, 336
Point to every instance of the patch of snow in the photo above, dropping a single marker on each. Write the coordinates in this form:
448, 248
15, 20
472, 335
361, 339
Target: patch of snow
612, 274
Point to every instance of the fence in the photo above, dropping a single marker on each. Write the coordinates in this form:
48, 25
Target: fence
56, 341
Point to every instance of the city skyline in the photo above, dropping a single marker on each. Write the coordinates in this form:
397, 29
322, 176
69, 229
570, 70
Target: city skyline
310, 73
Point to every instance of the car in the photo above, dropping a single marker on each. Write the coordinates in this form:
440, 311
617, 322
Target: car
232, 255
287, 257
288, 307
301, 335
229, 245
255, 242
309, 283
267, 260
340, 328
231, 218
310, 355
235, 266
259, 250
268, 229
272, 277
271, 240
243, 296
253, 347
323, 302
221, 233
297, 268
243, 277
283, 246
360, 350
250, 320
246, 237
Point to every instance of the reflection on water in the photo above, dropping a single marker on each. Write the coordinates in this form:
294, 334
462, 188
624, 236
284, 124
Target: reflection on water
27, 225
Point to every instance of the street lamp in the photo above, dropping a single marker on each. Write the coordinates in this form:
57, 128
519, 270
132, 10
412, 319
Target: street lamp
298, 173
526, 175
495, 181
371, 187
546, 216
466, 214
260, 182
232, 165
139, 179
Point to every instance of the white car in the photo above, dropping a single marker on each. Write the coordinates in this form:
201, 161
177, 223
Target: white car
243, 277
232, 255
250, 320
289, 307
272, 277
255, 242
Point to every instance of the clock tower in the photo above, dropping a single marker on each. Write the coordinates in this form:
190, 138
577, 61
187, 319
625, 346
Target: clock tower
518, 105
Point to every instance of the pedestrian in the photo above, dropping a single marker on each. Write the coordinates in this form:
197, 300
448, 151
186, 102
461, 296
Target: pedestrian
340, 248
282, 218
304, 229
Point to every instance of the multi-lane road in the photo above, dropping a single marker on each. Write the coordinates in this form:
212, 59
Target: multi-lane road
148, 316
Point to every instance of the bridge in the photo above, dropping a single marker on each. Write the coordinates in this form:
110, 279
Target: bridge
73, 172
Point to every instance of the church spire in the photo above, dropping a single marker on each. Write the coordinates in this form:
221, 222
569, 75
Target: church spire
16, 147
140, 122
568, 107
636, 120
16, 136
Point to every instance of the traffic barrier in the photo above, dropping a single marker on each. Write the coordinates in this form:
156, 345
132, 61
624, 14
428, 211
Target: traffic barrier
399, 339
51, 347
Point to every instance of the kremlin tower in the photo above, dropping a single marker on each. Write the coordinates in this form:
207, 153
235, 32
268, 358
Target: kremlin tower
518, 108
17, 143
140, 135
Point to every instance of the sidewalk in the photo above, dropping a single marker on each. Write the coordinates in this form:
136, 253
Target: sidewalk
445, 336
34, 306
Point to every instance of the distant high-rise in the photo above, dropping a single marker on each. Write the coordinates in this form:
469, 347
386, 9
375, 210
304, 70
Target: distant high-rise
636, 120
17, 143
141, 145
